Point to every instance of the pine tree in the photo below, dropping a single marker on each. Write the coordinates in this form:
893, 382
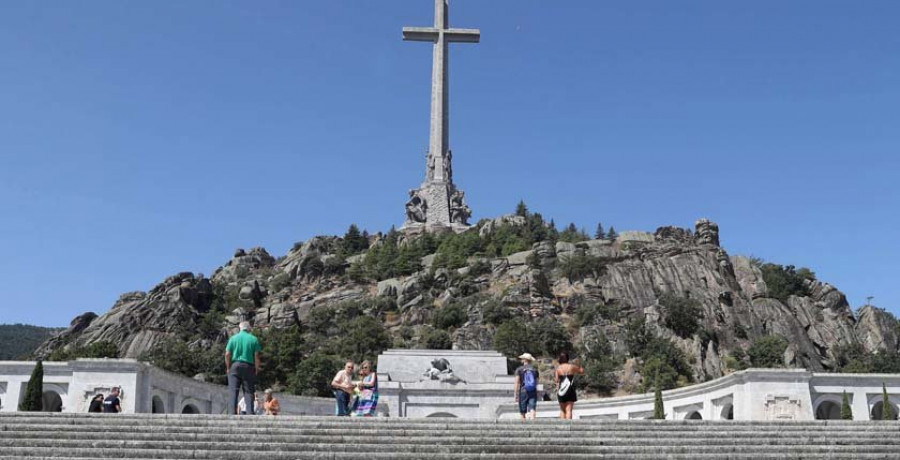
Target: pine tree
846, 412
522, 209
887, 410
659, 412
34, 391
599, 234
354, 241
612, 233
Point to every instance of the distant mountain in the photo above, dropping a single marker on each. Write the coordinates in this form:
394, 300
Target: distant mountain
18, 341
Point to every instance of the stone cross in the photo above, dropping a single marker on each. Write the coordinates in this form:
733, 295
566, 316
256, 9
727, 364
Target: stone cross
441, 35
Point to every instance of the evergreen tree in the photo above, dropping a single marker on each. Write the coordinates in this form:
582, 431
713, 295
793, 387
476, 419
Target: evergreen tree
612, 233
522, 209
354, 241
887, 410
659, 412
34, 391
599, 234
846, 412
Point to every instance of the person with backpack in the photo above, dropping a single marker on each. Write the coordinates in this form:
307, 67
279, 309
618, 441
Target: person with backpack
565, 385
526, 387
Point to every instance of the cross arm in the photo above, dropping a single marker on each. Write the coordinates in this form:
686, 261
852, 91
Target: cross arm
420, 34
431, 34
462, 35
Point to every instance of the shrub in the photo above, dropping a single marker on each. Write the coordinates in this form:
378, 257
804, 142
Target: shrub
494, 312
588, 314
99, 349
767, 351
313, 375
33, 400
455, 250
449, 316
279, 282
580, 266
437, 339
177, 356
682, 314
281, 349
785, 281
362, 338
573, 235
637, 336
599, 364
551, 336
513, 338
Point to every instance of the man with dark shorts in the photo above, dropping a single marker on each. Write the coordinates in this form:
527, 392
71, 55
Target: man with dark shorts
242, 364
526, 387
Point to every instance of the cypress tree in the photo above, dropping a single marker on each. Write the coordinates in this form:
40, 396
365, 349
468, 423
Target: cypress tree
846, 412
659, 412
887, 411
34, 391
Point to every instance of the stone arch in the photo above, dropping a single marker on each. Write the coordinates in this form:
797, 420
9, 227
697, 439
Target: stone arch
157, 406
190, 409
441, 415
727, 412
878, 410
828, 410
694, 415
51, 401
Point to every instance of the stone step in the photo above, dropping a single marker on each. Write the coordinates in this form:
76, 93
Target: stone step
524, 430
333, 422
437, 452
499, 438
199, 419
400, 456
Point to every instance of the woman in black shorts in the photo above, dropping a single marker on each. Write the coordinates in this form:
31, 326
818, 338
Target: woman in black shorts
565, 385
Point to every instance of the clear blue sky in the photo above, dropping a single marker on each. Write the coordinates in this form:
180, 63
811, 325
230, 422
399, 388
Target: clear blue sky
140, 139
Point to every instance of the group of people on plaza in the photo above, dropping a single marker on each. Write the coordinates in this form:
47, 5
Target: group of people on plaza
355, 398
360, 397
527, 378
356, 394
242, 363
108, 405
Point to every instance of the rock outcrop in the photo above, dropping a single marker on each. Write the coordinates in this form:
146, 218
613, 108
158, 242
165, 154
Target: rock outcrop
630, 274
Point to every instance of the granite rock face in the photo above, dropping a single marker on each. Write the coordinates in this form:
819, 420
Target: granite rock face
634, 272
138, 321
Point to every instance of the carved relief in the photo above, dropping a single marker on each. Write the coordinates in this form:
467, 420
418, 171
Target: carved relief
780, 407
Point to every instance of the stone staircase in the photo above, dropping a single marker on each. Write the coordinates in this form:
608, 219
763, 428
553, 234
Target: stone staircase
83, 436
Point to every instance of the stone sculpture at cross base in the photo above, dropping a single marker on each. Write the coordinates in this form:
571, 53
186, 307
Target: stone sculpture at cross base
437, 205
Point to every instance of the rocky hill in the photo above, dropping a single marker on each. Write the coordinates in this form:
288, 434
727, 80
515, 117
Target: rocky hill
671, 303
18, 341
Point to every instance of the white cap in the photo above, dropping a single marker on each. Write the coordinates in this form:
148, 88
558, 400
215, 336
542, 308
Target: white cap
527, 356
244, 326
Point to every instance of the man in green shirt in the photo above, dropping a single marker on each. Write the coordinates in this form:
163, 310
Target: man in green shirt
242, 364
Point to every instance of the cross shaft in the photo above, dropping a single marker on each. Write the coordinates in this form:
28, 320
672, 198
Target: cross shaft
441, 35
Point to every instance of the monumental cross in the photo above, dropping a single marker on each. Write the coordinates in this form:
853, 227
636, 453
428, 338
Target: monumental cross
438, 203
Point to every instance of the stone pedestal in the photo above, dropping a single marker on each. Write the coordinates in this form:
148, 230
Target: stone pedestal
474, 384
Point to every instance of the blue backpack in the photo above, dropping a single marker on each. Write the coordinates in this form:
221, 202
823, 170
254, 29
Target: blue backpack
528, 380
